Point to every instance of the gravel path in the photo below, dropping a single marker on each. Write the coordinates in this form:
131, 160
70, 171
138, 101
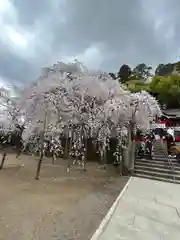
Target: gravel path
82, 220
61, 206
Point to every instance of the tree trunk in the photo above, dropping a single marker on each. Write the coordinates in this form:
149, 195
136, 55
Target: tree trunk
133, 155
70, 134
42, 148
105, 158
101, 155
120, 157
54, 158
18, 153
3, 160
128, 154
68, 155
132, 147
121, 165
84, 139
39, 166
85, 155
66, 148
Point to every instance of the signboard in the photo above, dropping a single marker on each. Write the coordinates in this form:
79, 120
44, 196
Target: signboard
157, 125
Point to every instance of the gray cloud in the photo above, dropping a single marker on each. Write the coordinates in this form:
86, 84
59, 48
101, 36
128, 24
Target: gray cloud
13, 67
31, 11
122, 32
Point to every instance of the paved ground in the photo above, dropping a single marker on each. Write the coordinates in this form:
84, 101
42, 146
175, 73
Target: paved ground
147, 210
60, 206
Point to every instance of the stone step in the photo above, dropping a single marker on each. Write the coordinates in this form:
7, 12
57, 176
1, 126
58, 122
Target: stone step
157, 178
158, 148
146, 162
158, 151
157, 174
158, 144
166, 170
159, 156
158, 161
155, 165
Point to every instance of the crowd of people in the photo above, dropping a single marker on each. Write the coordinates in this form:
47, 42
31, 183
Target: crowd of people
146, 142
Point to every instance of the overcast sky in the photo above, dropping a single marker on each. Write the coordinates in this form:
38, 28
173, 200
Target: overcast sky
100, 33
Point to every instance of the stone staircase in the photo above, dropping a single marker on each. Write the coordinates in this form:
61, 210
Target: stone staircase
158, 168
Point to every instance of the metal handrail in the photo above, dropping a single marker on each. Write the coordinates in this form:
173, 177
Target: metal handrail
171, 165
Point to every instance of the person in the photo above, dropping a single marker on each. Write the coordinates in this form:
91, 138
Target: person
170, 131
170, 141
157, 137
149, 147
141, 150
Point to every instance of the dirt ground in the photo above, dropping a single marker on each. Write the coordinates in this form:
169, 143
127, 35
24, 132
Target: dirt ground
60, 205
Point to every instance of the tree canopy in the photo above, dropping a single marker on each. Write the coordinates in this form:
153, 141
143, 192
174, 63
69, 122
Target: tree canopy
78, 104
164, 85
167, 89
142, 71
124, 73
